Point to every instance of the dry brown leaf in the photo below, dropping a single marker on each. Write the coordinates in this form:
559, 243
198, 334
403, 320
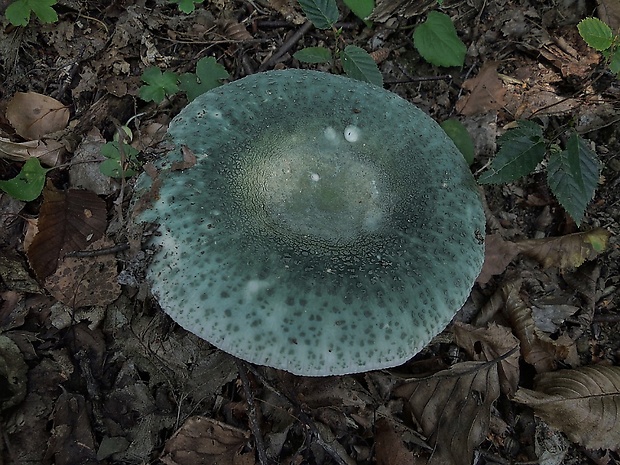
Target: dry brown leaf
86, 281
389, 446
386, 9
33, 115
47, 151
498, 254
453, 409
583, 402
490, 343
233, 30
609, 12
537, 348
68, 221
486, 92
206, 441
566, 252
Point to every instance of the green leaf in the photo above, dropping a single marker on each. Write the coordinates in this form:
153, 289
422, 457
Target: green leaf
614, 62
208, 75
596, 33
437, 42
358, 64
461, 138
313, 55
361, 8
18, 12
572, 175
322, 13
159, 85
116, 166
28, 184
186, 6
521, 149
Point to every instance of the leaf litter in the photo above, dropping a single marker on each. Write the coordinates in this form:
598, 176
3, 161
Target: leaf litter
111, 380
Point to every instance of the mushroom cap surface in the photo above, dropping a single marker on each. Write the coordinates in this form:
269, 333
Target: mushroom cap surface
327, 227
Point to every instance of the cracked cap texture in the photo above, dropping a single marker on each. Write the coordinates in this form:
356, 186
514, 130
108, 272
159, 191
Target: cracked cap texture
327, 227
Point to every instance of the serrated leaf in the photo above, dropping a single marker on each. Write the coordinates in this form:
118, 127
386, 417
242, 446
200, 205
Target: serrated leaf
186, 6
522, 148
461, 138
208, 75
44, 11
313, 55
322, 13
116, 166
358, 64
573, 175
159, 85
18, 12
596, 33
361, 8
437, 42
614, 62
28, 184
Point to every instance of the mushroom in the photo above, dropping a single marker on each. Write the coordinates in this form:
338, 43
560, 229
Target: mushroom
327, 226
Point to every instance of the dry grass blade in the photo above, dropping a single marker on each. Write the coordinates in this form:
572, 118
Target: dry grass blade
584, 403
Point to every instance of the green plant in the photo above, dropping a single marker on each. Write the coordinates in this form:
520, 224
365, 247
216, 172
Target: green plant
572, 173
186, 6
160, 85
600, 37
437, 42
356, 62
122, 160
28, 184
18, 12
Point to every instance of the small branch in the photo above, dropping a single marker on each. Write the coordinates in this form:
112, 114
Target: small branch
98, 252
286, 46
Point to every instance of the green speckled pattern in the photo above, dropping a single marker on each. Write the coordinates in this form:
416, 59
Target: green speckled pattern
328, 226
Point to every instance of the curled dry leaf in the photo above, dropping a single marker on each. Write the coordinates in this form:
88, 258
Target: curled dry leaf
490, 343
48, 152
486, 92
498, 254
33, 115
209, 442
453, 408
537, 348
583, 402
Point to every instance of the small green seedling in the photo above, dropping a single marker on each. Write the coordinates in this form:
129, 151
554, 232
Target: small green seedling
28, 184
186, 6
209, 74
600, 37
158, 85
18, 12
437, 42
122, 160
356, 62
572, 173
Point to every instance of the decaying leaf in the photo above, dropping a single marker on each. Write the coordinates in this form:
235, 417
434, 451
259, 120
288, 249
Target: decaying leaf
390, 449
583, 402
488, 344
34, 115
486, 92
453, 409
498, 253
68, 221
48, 151
537, 348
568, 251
207, 442
86, 281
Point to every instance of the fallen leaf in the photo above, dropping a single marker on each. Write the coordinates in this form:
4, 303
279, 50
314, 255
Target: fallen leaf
390, 446
453, 408
33, 115
207, 442
48, 151
609, 12
498, 254
583, 402
68, 221
486, 92
488, 344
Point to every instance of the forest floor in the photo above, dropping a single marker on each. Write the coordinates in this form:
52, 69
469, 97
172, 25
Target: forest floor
92, 371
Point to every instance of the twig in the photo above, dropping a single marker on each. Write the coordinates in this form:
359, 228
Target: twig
96, 253
286, 46
254, 426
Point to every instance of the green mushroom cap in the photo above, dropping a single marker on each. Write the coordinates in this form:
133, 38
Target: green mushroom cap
327, 227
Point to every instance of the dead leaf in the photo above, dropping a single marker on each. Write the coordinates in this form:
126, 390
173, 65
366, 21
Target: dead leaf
86, 281
486, 92
488, 344
609, 12
68, 221
583, 402
498, 254
390, 446
49, 152
206, 441
189, 160
386, 9
453, 408
33, 115
566, 252
537, 348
